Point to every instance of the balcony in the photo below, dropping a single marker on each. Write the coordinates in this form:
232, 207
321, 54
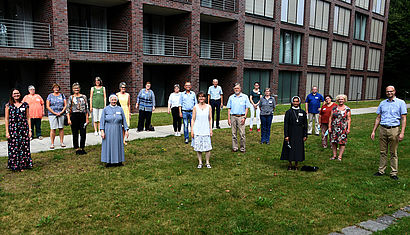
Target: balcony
25, 34
220, 50
98, 40
164, 45
224, 5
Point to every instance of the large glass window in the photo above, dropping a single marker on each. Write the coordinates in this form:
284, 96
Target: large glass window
288, 86
319, 14
360, 26
371, 88
363, 4
337, 84
355, 88
317, 51
357, 61
374, 60
376, 31
258, 43
290, 44
293, 11
260, 7
341, 21
339, 54
250, 76
379, 6
315, 79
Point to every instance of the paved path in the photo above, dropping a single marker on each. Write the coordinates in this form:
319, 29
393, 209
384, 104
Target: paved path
160, 131
379, 224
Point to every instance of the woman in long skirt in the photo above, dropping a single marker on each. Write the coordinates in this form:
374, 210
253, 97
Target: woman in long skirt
113, 125
18, 132
295, 129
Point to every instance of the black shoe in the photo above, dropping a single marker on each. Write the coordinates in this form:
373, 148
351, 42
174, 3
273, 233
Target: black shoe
218, 127
394, 177
378, 174
78, 152
82, 152
108, 165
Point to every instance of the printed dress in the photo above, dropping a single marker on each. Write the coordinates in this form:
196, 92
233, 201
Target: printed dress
19, 142
339, 125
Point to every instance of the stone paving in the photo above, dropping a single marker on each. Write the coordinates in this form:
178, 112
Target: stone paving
379, 224
160, 131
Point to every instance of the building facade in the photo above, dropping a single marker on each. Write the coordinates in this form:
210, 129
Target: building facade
288, 45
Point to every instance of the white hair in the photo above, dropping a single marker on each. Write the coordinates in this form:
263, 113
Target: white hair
31, 87
113, 96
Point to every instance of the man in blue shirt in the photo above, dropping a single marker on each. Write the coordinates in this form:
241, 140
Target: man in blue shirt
312, 105
215, 99
238, 106
187, 101
389, 115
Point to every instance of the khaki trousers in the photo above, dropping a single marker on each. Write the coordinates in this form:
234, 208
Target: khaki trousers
389, 137
237, 126
312, 116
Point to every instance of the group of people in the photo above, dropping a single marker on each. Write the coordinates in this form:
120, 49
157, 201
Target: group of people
112, 121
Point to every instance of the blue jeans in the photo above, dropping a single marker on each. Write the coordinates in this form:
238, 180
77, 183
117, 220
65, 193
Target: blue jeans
187, 116
266, 121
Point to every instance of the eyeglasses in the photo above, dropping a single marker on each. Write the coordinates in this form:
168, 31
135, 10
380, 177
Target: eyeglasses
123, 87
389, 91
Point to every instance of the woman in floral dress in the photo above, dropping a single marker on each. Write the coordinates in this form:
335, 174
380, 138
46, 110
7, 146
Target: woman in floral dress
339, 126
18, 132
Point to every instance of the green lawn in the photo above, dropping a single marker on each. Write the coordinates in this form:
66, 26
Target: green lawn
402, 227
159, 190
161, 119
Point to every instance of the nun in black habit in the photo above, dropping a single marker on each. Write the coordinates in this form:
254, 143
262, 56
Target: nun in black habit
295, 130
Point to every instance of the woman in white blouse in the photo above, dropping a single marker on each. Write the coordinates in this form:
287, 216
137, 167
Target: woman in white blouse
173, 106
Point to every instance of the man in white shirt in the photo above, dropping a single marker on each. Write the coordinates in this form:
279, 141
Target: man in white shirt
215, 99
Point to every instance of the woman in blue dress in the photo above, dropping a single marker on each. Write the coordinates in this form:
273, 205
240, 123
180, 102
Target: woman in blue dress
112, 125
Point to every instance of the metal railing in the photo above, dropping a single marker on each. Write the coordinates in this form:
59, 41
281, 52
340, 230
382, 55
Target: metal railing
24, 34
224, 5
158, 44
211, 49
98, 40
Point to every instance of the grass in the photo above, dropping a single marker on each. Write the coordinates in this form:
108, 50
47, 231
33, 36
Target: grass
162, 119
159, 190
401, 227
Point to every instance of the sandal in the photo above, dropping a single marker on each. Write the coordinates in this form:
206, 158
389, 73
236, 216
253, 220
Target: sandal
333, 158
52, 146
208, 166
199, 166
63, 145
339, 159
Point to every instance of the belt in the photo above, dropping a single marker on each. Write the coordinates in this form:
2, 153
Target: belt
238, 115
187, 110
389, 127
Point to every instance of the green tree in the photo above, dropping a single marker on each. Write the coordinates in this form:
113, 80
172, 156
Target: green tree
397, 54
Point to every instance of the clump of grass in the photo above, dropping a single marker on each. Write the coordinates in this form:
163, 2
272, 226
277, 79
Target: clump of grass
264, 202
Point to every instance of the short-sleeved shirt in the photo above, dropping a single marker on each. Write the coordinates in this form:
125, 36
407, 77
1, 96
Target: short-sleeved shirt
256, 96
313, 102
215, 92
391, 111
174, 99
267, 105
36, 104
78, 104
325, 113
238, 104
56, 103
188, 101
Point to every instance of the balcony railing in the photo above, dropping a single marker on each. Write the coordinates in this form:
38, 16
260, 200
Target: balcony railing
24, 34
224, 5
217, 50
97, 40
158, 44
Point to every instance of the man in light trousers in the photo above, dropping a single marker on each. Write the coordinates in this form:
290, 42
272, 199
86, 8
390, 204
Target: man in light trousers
238, 106
313, 103
390, 113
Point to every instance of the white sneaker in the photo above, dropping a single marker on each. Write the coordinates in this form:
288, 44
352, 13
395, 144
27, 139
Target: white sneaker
99, 133
179, 133
176, 134
96, 133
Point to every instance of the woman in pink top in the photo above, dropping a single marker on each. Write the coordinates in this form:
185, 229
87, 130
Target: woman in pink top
36, 104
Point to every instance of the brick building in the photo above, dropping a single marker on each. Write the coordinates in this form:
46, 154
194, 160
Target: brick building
289, 45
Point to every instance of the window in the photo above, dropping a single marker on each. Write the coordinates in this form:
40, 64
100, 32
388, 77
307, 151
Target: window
379, 6
363, 4
360, 26
355, 88
260, 7
315, 79
258, 42
337, 85
288, 86
317, 51
358, 57
319, 15
293, 11
250, 76
290, 44
373, 60
341, 21
371, 88
376, 31
348, 1
339, 54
